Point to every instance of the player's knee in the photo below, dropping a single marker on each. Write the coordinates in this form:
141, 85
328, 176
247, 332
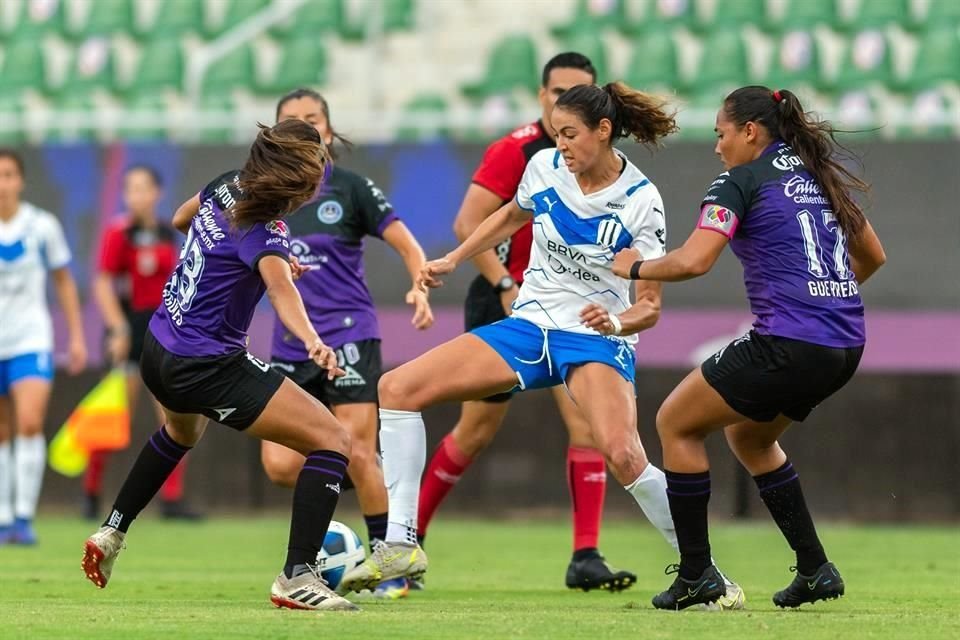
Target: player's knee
29, 426
280, 471
395, 392
625, 457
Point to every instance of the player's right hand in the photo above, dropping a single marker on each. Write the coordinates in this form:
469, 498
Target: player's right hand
430, 271
325, 358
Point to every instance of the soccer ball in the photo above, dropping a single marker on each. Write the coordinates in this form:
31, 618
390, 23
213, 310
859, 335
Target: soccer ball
342, 550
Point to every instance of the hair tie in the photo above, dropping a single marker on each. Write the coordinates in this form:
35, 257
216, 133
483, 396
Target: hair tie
777, 97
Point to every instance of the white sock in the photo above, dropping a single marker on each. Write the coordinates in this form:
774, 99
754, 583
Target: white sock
403, 443
30, 458
650, 492
6, 484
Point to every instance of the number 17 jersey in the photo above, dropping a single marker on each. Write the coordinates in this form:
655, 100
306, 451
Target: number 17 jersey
783, 230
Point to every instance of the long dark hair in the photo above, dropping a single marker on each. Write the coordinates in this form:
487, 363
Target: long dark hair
303, 92
641, 116
286, 163
814, 140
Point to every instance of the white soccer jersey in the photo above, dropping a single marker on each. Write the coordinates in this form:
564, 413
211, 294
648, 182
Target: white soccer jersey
575, 237
31, 243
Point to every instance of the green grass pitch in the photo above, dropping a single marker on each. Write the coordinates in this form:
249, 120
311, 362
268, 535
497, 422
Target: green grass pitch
488, 579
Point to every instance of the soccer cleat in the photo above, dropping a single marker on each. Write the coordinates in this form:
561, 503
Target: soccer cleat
824, 584
392, 589
418, 584
594, 573
389, 560
22, 532
100, 552
307, 591
706, 589
733, 599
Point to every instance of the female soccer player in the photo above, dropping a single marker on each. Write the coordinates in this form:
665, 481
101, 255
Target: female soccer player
572, 322
327, 237
31, 243
196, 364
136, 259
784, 205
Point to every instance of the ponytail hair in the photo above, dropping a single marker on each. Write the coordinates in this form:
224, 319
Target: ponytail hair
813, 140
635, 114
286, 163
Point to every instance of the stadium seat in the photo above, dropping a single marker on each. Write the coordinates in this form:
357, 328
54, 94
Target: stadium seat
653, 64
938, 59
11, 112
303, 62
174, 18
64, 128
659, 16
23, 66
795, 61
161, 66
733, 14
237, 11
805, 14
429, 107
723, 61
512, 64
877, 14
397, 15
218, 102
106, 18
593, 15
930, 116
867, 61
36, 19
589, 42
235, 69
314, 18
941, 13
91, 67
146, 102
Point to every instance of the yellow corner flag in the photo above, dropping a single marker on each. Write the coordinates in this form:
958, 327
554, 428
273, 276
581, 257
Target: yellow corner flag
101, 422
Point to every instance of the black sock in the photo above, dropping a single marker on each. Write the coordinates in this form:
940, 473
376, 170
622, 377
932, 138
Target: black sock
156, 462
376, 527
585, 554
781, 492
314, 501
689, 494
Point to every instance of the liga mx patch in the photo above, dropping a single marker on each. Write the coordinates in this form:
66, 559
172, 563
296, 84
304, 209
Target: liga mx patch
717, 218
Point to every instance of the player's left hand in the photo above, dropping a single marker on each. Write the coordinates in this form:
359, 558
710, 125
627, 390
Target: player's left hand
76, 356
422, 314
624, 260
326, 358
297, 269
597, 318
430, 272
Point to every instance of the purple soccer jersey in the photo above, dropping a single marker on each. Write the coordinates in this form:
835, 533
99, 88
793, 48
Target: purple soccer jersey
794, 254
210, 298
327, 235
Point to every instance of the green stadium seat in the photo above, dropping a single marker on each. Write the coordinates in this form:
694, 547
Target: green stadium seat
64, 129
11, 111
431, 107
174, 18
221, 134
806, 14
589, 42
661, 16
303, 63
161, 66
36, 19
235, 69
91, 67
733, 14
877, 14
314, 18
723, 61
106, 18
653, 62
941, 13
698, 111
512, 64
938, 59
796, 61
594, 15
237, 11
23, 66
929, 117
867, 61
151, 102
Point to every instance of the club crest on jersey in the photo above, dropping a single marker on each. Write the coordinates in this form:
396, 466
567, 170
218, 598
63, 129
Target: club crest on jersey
279, 227
608, 233
717, 218
330, 212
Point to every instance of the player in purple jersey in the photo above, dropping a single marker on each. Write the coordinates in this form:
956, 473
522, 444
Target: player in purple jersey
784, 205
327, 236
196, 364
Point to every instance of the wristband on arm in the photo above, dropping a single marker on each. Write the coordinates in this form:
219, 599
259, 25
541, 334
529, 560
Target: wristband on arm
635, 270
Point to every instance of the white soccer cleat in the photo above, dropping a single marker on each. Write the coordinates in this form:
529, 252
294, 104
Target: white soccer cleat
100, 552
389, 560
307, 591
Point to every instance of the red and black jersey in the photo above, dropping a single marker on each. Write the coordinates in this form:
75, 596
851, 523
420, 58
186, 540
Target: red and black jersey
143, 258
500, 171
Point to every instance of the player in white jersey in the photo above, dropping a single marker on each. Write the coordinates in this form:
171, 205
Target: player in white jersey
572, 324
31, 243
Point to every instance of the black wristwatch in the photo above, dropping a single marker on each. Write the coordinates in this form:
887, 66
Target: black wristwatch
505, 284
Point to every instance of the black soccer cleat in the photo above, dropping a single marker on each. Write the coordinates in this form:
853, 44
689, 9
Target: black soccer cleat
593, 572
824, 584
706, 589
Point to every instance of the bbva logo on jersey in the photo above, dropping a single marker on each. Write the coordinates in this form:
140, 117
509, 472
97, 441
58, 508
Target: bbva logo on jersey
608, 233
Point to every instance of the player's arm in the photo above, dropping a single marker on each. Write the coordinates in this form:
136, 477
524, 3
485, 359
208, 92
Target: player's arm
116, 323
866, 253
66, 291
286, 300
399, 237
642, 315
695, 258
185, 213
478, 204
